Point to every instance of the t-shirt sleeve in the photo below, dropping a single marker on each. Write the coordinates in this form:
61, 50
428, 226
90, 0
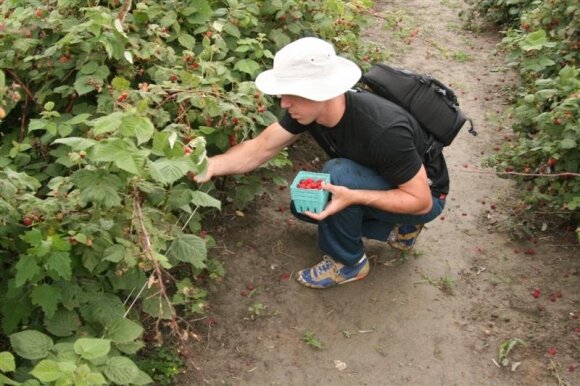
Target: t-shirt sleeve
291, 125
396, 156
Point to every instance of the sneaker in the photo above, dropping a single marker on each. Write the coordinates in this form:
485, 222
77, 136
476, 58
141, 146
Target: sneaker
403, 237
329, 273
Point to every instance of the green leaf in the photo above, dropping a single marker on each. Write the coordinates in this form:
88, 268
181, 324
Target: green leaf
167, 171
168, 19
157, 307
62, 323
568, 143
46, 371
31, 344
190, 249
535, 40
36, 124
107, 124
4, 380
33, 237
203, 199
7, 363
123, 154
120, 83
98, 186
26, 269
95, 378
89, 68
202, 14
102, 308
76, 143
232, 29
131, 347
59, 263
142, 379
78, 119
121, 370
82, 84
92, 348
163, 260
115, 253
137, 126
47, 297
123, 330
187, 41
248, 66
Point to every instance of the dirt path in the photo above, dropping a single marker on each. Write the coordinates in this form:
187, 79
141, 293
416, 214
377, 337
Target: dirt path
435, 317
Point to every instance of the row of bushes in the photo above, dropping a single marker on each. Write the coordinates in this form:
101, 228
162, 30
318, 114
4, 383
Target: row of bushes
542, 42
105, 106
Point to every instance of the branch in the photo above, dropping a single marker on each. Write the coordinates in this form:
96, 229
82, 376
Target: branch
556, 175
157, 277
124, 11
17, 79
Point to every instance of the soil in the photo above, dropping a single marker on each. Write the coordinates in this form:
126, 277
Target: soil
435, 316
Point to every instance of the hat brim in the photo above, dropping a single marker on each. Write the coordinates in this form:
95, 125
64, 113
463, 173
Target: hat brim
340, 78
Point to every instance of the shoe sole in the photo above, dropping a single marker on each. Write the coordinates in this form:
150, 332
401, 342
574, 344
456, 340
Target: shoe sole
306, 284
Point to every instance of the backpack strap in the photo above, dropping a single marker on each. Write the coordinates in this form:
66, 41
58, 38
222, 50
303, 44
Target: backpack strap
471, 129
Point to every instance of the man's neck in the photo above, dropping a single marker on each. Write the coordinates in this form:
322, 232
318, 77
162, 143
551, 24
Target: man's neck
333, 111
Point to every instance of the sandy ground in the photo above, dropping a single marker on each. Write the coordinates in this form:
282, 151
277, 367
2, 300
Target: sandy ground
436, 316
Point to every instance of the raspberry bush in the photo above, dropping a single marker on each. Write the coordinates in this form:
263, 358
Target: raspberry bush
105, 107
542, 43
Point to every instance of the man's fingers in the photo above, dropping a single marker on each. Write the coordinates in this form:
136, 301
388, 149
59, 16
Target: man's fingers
327, 186
199, 178
315, 216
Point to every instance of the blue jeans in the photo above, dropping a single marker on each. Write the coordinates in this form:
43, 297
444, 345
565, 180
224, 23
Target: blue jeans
340, 235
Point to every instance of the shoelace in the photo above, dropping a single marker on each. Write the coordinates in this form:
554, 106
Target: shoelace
324, 266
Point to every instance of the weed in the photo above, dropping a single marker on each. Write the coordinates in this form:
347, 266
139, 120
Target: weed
461, 57
505, 349
450, 4
445, 283
381, 351
311, 340
404, 255
162, 364
555, 369
454, 27
255, 310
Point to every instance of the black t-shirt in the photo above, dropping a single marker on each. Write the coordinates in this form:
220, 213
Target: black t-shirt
377, 133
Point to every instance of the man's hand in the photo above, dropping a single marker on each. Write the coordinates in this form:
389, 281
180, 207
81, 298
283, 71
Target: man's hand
204, 177
341, 198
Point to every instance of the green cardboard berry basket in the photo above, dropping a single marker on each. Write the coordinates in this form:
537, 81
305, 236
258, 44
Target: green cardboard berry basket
311, 200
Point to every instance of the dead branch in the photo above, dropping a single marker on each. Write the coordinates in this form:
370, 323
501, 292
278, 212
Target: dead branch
17, 80
558, 175
124, 11
157, 277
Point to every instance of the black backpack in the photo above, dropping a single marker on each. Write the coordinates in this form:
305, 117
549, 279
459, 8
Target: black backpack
429, 101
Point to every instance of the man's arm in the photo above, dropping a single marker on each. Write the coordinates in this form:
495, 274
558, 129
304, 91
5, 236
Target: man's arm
412, 197
250, 154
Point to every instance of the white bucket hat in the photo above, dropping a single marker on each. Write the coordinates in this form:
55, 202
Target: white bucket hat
310, 68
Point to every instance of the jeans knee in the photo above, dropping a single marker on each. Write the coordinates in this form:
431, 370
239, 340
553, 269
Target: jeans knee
339, 169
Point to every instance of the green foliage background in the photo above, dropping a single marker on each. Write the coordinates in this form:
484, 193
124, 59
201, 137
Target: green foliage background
105, 106
542, 41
